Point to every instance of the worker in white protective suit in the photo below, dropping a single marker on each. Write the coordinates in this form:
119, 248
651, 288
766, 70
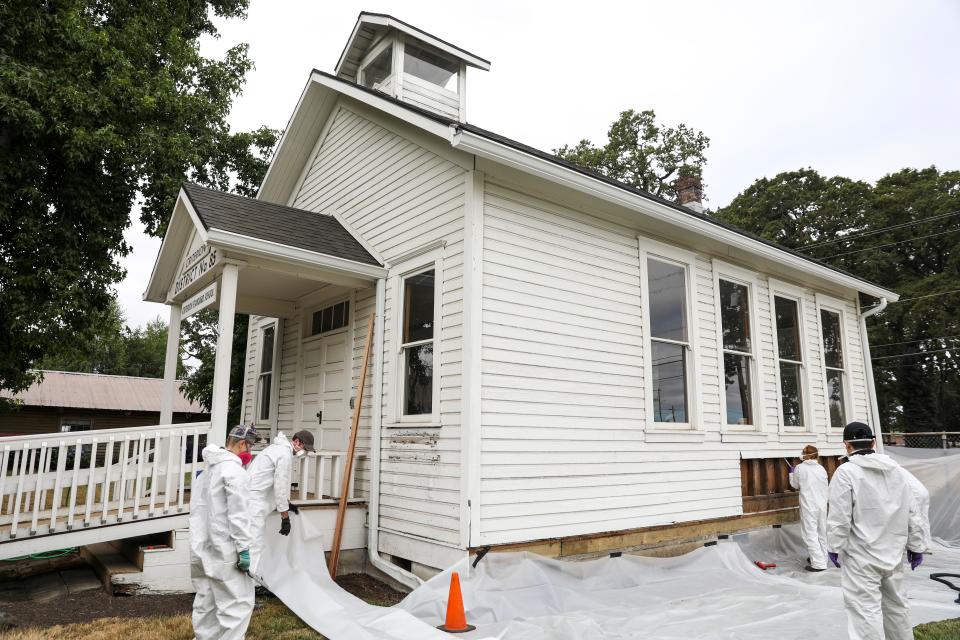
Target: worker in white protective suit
220, 538
872, 519
204, 609
270, 487
810, 479
922, 495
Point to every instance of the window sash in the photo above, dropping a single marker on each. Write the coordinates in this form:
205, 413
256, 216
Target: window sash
264, 393
669, 416
790, 399
427, 395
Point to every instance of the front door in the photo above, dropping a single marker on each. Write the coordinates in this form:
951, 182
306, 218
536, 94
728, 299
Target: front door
323, 384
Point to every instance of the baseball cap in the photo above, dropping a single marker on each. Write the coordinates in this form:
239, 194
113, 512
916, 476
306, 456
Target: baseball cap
242, 432
306, 438
857, 431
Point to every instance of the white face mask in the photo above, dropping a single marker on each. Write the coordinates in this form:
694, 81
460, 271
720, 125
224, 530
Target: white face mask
299, 453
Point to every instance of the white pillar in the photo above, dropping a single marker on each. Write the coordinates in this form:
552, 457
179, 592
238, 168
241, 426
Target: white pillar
221, 370
170, 366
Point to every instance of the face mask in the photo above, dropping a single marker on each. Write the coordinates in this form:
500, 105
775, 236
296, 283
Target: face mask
299, 453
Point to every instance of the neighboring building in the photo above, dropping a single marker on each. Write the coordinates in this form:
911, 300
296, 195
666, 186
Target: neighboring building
65, 401
562, 361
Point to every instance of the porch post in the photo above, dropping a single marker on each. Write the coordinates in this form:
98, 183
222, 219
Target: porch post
170, 366
221, 370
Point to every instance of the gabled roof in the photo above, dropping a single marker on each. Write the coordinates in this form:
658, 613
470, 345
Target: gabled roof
275, 223
371, 27
99, 391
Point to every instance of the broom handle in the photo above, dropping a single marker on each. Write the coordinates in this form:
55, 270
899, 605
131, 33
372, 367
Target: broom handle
351, 448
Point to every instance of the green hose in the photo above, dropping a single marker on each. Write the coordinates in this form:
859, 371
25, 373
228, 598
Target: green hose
49, 555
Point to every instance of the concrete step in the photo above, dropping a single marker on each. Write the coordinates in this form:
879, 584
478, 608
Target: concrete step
107, 562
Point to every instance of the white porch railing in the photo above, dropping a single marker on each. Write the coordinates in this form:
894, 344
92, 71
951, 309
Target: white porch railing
317, 477
54, 483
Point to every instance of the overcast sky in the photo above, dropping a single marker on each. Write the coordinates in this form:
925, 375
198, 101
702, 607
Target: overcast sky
853, 88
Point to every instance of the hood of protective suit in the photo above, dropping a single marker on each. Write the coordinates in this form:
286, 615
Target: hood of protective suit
877, 461
215, 454
281, 439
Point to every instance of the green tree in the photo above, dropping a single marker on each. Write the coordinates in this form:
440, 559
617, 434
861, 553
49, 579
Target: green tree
146, 350
103, 352
200, 342
102, 104
643, 154
880, 233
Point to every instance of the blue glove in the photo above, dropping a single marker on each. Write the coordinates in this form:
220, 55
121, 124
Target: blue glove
243, 560
915, 559
834, 558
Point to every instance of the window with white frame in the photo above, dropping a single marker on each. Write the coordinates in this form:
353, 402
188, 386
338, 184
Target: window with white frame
268, 337
331, 318
378, 69
70, 425
738, 360
831, 327
418, 333
669, 340
790, 360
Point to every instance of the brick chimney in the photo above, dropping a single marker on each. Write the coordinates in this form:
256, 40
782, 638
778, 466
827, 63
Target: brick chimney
690, 192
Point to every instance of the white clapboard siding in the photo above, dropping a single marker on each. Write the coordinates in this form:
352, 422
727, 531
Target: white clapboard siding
400, 197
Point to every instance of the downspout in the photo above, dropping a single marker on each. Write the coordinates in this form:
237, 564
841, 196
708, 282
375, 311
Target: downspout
376, 427
871, 388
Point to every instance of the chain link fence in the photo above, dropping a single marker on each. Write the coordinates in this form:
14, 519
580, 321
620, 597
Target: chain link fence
945, 440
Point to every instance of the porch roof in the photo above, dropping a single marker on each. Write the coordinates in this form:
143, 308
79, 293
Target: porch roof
275, 223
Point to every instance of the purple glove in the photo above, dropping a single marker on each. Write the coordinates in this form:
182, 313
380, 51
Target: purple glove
915, 559
790, 469
834, 558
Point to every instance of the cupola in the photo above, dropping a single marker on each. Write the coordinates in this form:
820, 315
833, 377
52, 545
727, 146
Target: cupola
391, 56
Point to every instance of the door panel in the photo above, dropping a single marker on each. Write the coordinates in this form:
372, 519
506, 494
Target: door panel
324, 387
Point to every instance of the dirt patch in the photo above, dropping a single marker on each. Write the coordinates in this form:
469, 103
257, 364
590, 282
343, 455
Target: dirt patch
91, 605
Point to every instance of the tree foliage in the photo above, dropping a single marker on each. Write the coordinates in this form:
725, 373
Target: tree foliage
200, 343
643, 154
102, 104
847, 224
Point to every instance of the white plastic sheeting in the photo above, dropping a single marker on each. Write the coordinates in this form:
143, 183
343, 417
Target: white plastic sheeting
714, 593
939, 472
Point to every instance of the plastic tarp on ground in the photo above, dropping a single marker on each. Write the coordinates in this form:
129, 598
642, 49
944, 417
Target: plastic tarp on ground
714, 593
939, 471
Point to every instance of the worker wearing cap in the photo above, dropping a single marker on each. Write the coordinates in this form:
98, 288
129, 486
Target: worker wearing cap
270, 486
810, 479
221, 540
872, 519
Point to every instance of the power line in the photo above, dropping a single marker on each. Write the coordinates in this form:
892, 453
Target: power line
915, 353
894, 344
890, 244
929, 295
875, 231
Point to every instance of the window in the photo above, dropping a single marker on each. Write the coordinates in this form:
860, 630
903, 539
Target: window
432, 67
669, 340
72, 425
832, 329
378, 69
737, 351
265, 379
418, 341
331, 318
790, 360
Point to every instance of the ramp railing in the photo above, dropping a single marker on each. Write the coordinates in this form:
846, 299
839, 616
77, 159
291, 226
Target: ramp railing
53, 483
317, 477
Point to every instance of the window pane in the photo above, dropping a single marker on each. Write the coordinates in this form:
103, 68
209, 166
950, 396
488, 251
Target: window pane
266, 352
263, 398
669, 382
736, 371
430, 67
788, 328
832, 338
791, 394
326, 323
735, 315
345, 312
379, 69
835, 398
667, 285
315, 324
418, 307
418, 384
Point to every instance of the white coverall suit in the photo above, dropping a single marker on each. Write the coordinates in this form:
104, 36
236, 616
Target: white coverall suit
204, 609
922, 496
216, 538
269, 489
872, 519
810, 478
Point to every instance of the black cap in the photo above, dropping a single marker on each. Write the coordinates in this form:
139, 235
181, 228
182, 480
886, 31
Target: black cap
857, 431
306, 438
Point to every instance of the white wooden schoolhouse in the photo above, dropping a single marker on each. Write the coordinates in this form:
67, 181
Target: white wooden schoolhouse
561, 362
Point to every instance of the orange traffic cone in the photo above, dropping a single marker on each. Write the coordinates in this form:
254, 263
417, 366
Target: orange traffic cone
456, 618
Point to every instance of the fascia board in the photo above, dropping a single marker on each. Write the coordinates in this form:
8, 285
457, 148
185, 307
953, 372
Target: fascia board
399, 25
293, 255
519, 160
162, 265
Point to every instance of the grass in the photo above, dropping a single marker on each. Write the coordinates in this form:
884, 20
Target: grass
272, 621
943, 630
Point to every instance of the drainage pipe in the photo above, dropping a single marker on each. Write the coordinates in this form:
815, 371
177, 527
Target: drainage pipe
376, 428
871, 388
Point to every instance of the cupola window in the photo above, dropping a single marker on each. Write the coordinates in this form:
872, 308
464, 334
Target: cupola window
431, 67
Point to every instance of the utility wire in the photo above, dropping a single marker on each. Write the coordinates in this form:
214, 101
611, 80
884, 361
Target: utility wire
929, 295
875, 231
890, 244
894, 344
915, 353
